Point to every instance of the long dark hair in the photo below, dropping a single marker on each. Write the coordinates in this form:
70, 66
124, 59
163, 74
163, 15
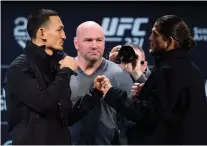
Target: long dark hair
173, 26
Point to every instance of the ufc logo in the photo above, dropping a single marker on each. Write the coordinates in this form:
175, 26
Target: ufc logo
117, 26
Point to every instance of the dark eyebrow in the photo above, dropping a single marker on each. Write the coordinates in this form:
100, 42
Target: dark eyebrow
88, 39
60, 27
154, 31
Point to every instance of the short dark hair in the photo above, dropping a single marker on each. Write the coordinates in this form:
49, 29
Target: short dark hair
173, 26
38, 18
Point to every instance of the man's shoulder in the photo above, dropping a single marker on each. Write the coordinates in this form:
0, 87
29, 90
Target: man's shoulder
114, 67
18, 61
117, 71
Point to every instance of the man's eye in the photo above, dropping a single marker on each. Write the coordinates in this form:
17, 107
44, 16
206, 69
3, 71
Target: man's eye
88, 40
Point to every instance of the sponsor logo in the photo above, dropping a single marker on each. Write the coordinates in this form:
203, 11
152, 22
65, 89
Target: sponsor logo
200, 34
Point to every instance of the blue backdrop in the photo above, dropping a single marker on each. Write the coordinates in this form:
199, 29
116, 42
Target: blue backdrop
122, 22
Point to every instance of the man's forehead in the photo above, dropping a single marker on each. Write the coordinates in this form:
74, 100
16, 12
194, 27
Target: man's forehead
90, 34
154, 29
92, 37
90, 30
56, 20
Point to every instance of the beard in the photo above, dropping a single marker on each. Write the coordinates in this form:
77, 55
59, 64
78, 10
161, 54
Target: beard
93, 58
157, 52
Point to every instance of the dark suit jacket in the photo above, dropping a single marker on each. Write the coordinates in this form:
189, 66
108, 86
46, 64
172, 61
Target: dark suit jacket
38, 99
171, 107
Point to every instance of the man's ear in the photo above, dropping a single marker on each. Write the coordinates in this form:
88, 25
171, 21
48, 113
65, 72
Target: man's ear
75, 41
42, 34
145, 65
171, 42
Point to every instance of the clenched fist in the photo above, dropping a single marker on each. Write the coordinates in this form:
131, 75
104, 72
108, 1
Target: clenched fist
102, 84
136, 89
69, 62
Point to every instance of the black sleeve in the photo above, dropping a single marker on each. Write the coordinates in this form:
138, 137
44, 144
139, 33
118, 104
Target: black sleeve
118, 99
137, 111
84, 105
23, 82
141, 79
170, 95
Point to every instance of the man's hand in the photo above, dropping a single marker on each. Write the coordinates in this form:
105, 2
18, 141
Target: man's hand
133, 68
69, 62
136, 89
114, 53
102, 84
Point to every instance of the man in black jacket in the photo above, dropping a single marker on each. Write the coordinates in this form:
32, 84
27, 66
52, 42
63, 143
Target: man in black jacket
37, 86
171, 107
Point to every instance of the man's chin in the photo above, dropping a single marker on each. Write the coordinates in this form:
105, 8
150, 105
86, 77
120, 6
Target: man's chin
93, 59
154, 52
58, 49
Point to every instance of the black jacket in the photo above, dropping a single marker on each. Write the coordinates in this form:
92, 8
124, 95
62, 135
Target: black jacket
38, 99
171, 107
128, 129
